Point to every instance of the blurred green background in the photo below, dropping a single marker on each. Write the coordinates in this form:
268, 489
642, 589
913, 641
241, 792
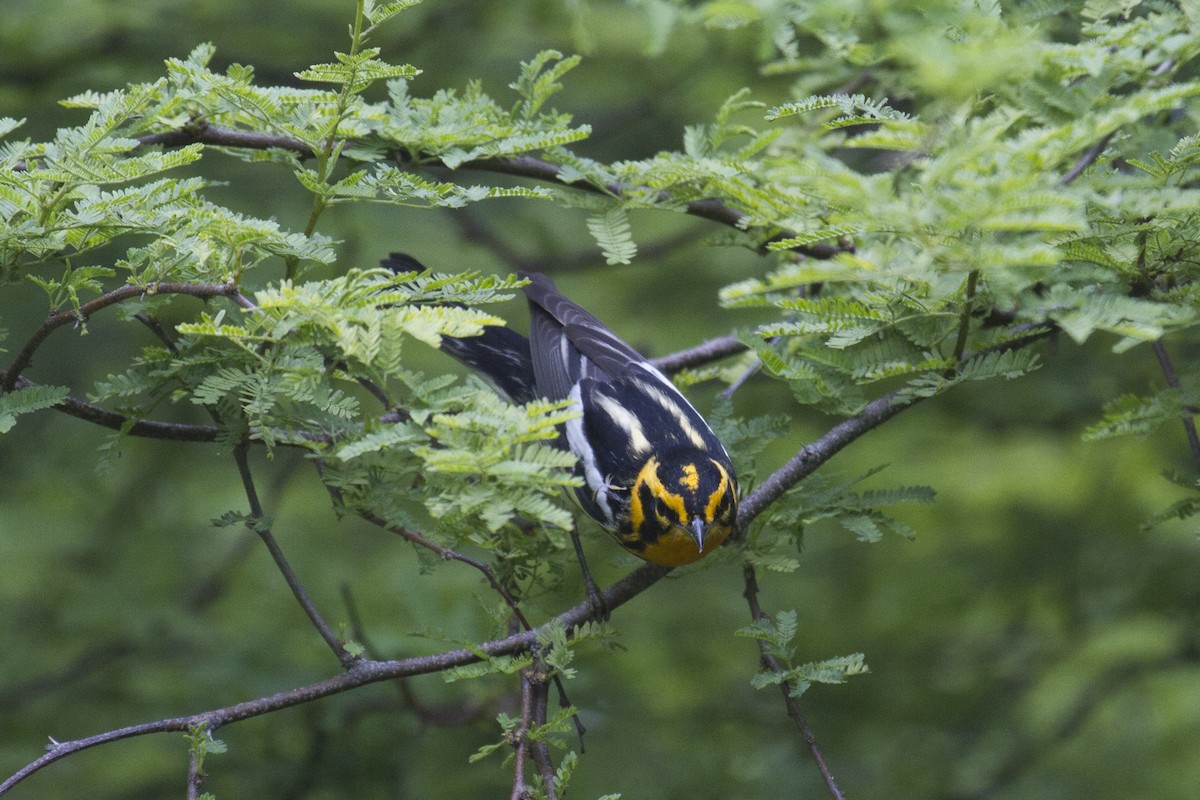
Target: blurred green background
1033, 641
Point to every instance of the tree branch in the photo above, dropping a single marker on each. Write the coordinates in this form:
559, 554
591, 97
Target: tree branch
713, 209
703, 353
172, 431
771, 664
258, 525
360, 673
1172, 378
25, 355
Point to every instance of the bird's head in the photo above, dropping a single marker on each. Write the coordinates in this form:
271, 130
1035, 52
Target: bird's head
682, 507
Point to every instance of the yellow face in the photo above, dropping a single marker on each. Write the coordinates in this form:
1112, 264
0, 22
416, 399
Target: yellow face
680, 511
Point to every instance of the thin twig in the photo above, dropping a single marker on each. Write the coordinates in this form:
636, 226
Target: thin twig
519, 739
1087, 159
712, 209
1172, 378
80, 315
703, 353
172, 431
771, 664
258, 525
449, 554
443, 715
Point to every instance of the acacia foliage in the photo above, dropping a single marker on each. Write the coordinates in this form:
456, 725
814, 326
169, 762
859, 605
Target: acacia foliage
998, 174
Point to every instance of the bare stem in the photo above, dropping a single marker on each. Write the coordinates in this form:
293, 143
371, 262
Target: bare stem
258, 525
1172, 378
80, 315
195, 778
964, 323
703, 353
770, 663
173, 431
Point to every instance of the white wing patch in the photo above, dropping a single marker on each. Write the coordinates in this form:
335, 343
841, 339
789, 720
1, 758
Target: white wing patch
672, 406
626, 421
577, 441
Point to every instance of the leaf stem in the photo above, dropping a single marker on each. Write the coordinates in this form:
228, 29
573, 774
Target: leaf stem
1172, 378
771, 664
964, 323
259, 526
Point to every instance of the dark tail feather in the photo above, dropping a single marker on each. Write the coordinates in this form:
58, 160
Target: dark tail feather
499, 354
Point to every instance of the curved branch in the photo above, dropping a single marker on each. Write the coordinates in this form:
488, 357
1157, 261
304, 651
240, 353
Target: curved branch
56, 321
258, 525
173, 431
713, 209
360, 673
703, 353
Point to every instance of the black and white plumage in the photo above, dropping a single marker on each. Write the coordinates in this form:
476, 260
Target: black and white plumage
656, 476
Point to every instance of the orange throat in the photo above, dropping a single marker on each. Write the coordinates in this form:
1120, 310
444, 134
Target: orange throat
676, 547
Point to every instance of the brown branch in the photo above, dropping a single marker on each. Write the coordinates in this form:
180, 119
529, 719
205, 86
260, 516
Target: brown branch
519, 739
713, 209
172, 431
1087, 159
539, 749
816, 453
448, 554
80, 315
703, 353
195, 778
873, 414
258, 525
771, 664
534, 693
360, 673
204, 133
1172, 378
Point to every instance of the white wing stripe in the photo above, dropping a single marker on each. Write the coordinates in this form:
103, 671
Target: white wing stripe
671, 405
626, 421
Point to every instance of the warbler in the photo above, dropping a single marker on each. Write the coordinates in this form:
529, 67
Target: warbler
655, 475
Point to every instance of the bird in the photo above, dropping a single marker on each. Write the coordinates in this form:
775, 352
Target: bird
654, 474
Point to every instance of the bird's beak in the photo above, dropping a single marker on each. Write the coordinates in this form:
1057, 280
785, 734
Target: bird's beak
698, 528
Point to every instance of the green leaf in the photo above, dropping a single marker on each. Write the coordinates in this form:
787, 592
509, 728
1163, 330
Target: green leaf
27, 400
357, 71
612, 232
539, 79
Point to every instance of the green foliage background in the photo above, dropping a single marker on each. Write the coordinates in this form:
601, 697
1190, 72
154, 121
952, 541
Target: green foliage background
1035, 639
